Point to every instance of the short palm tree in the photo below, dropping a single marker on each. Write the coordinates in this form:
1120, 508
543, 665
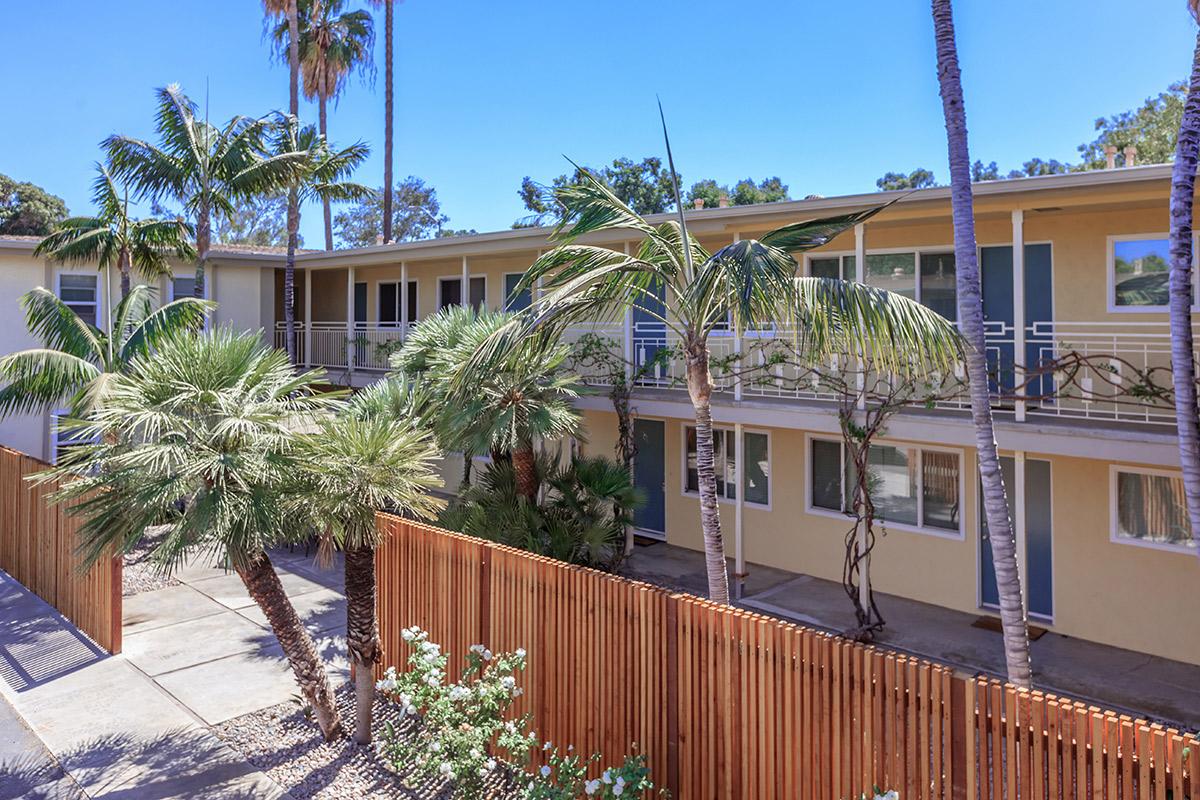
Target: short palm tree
201, 433
205, 168
322, 176
970, 315
333, 42
77, 362
351, 467
750, 284
113, 239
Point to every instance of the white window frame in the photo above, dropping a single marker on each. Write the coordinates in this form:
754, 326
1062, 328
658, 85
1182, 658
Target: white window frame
443, 278
929, 530
1114, 511
171, 287
55, 416
98, 302
683, 487
416, 293
1110, 272
504, 288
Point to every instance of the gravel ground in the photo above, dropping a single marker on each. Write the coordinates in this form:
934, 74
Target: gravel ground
288, 747
139, 574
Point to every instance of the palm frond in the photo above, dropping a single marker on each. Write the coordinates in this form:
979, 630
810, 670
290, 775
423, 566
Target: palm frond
41, 379
58, 327
809, 234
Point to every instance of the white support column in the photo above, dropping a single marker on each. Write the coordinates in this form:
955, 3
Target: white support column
737, 391
350, 349
860, 275
465, 296
404, 320
627, 336
536, 292
739, 550
1018, 262
308, 317
1019, 522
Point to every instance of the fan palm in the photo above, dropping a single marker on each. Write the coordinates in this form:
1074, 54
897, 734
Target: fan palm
201, 433
206, 168
749, 284
970, 315
332, 43
113, 238
77, 362
322, 176
351, 467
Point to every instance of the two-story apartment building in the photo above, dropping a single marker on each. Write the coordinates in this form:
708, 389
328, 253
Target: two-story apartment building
1071, 264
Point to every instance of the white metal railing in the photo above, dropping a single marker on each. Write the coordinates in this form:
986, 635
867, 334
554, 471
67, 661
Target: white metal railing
333, 345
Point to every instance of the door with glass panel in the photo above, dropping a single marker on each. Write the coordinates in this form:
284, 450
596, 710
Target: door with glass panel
649, 332
996, 268
1037, 561
649, 474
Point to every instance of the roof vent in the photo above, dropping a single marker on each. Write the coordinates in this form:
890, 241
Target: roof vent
698, 202
723, 202
1110, 154
1130, 156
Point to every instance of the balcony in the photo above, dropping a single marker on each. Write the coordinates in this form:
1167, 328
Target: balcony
1090, 370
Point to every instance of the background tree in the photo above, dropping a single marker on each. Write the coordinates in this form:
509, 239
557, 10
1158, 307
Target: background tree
389, 24
260, 221
1152, 128
1183, 192
919, 178
205, 168
113, 238
416, 214
644, 186
745, 192
27, 209
970, 316
333, 43
1036, 166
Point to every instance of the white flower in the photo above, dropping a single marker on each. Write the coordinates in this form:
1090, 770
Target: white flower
435, 746
517, 692
891, 794
458, 692
606, 777
545, 772
483, 772
547, 746
477, 649
410, 710
570, 748
475, 753
487, 655
620, 781
407, 635
592, 786
508, 682
618, 790
490, 764
520, 652
445, 767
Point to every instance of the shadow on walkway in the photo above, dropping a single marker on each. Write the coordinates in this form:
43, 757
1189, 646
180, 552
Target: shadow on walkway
36, 644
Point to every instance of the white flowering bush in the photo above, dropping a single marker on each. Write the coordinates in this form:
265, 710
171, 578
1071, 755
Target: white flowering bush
879, 794
458, 731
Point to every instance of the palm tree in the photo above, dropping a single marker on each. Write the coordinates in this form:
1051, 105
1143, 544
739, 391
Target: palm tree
205, 168
201, 433
333, 43
749, 284
1183, 188
970, 316
352, 466
113, 238
389, 8
77, 362
322, 175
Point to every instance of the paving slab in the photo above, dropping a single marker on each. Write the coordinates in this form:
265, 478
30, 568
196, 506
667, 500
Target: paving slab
229, 591
150, 610
27, 767
196, 641
320, 611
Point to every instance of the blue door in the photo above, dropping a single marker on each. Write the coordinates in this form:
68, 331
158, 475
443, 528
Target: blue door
996, 268
649, 474
649, 333
1037, 565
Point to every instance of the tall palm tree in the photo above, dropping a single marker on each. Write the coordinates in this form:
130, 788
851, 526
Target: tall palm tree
352, 466
207, 169
322, 176
333, 43
749, 284
1183, 188
389, 8
77, 362
970, 316
201, 433
113, 238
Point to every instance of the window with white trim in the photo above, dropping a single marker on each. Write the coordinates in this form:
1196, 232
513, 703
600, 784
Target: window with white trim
450, 292
757, 478
391, 302
1149, 507
920, 488
839, 267
81, 293
927, 277
63, 436
1139, 271
514, 300
182, 286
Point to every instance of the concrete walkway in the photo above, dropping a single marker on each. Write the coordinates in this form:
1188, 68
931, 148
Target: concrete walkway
135, 726
1123, 680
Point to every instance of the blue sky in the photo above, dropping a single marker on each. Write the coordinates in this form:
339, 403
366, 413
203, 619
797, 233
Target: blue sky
827, 95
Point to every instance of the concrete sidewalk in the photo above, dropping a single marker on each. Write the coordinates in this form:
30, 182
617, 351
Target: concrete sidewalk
1123, 680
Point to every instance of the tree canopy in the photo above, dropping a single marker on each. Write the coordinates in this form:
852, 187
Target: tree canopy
744, 193
919, 178
416, 214
27, 209
645, 186
260, 221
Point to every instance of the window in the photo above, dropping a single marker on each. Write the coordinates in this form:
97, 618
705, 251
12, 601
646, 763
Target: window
63, 437
516, 302
757, 476
911, 486
928, 278
1149, 508
896, 272
390, 302
842, 267
182, 286
938, 289
1139, 272
450, 292
81, 294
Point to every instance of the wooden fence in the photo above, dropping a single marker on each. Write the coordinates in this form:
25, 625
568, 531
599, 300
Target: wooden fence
38, 549
731, 704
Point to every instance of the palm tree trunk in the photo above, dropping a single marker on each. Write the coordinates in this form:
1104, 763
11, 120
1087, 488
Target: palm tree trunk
525, 467
203, 241
970, 315
293, 20
700, 389
289, 276
123, 264
322, 102
1183, 188
362, 635
264, 587
388, 13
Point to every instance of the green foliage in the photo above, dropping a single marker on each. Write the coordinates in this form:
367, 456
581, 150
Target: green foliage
745, 192
333, 43
580, 518
645, 186
919, 178
416, 214
1153, 128
27, 209
260, 221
